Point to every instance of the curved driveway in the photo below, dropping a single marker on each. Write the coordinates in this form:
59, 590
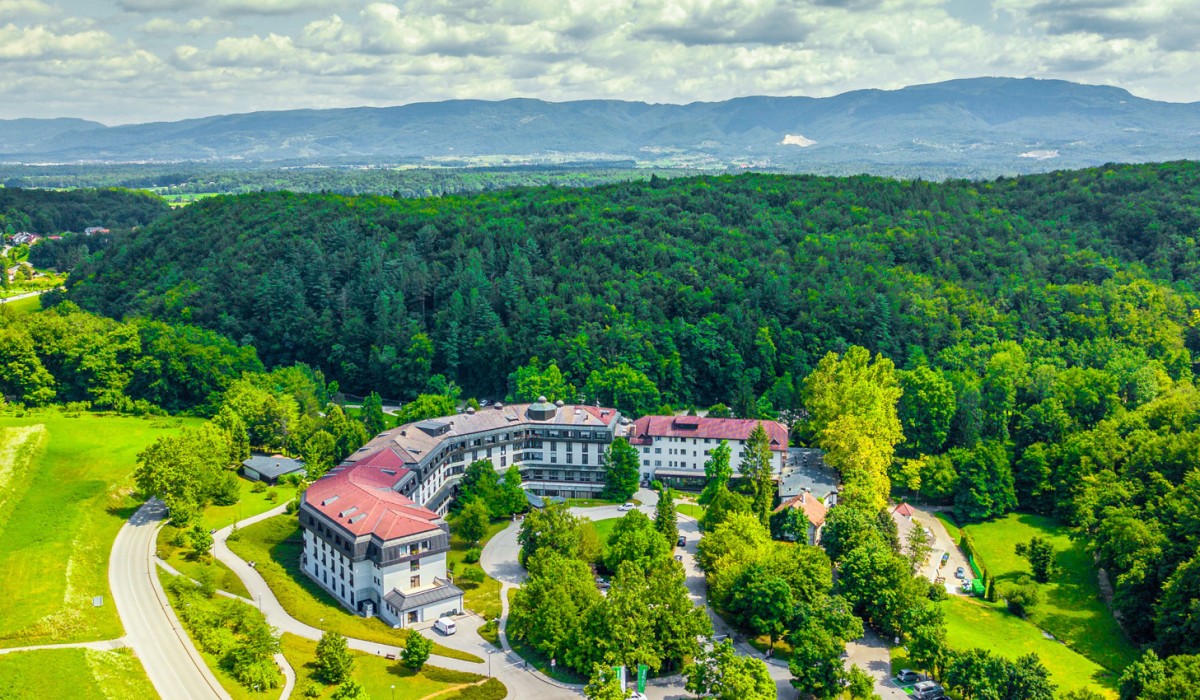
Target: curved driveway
151, 628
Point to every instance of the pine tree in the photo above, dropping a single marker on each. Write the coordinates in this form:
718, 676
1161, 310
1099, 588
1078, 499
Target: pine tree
665, 518
334, 662
756, 467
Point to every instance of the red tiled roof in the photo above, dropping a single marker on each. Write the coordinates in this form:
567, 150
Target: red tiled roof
345, 494
648, 427
387, 458
904, 509
812, 506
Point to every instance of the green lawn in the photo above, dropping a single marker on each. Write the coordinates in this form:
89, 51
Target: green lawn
378, 675
595, 502
65, 490
484, 597
275, 545
1070, 607
80, 674
22, 306
181, 560
249, 504
971, 623
690, 509
603, 530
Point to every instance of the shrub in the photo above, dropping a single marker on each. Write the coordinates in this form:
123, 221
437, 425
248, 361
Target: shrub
472, 555
312, 690
272, 495
259, 487
472, 574
1020, 596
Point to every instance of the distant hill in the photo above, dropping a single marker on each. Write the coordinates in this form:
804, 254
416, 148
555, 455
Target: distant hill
970, 126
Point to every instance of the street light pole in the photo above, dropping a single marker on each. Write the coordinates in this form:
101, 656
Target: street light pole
393, 692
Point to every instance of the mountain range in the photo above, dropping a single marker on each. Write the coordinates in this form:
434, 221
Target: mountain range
967, 126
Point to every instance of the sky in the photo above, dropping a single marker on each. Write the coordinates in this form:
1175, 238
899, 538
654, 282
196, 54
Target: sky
123, 61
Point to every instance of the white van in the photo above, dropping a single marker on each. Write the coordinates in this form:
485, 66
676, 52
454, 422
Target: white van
445, 625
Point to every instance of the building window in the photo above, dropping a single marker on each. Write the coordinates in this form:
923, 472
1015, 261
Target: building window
414, 549
414, 581
416, 565
657, 450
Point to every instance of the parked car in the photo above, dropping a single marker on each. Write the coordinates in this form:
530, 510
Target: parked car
678, 557
681, 542
945, 558
907, 675
445, 625
928, 690
960, 573
625, 506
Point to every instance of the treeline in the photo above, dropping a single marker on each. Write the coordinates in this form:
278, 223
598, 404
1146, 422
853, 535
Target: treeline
49, 212
350, 179
68, 356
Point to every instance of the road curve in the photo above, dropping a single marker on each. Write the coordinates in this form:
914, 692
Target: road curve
151, 628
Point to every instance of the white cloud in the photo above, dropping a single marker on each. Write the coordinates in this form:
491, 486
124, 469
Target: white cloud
201, 25
15, 9
259, 54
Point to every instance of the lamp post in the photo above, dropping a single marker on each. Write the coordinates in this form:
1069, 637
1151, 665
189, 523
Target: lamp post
393, 691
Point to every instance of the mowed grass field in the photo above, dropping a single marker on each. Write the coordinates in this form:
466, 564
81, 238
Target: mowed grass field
80, 674
27, 305
65, 491
484, 597
275, 545
972, 623
1070, 607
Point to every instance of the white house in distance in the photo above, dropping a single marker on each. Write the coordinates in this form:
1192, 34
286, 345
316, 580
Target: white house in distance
373, 548
674, 448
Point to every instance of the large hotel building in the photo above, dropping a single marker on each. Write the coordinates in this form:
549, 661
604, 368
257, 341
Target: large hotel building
374, 535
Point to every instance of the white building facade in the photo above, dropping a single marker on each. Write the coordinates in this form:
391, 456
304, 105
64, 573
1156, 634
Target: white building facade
373, 548
673, 449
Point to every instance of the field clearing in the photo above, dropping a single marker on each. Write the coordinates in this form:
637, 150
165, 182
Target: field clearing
974, 624
80, 674
27, 305
690, 509
1070, 607
275, 545
61, 504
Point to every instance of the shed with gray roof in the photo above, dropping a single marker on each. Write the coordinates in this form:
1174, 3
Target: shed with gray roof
271, 468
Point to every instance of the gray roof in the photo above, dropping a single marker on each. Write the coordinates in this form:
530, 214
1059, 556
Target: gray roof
534, 500
420, 599
806, 469
273, 467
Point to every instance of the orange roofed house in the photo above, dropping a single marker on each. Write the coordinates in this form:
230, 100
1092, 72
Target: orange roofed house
674, 448
814, 512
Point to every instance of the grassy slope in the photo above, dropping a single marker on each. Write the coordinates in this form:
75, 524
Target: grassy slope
690, 509
275, 545
378, 675
216, 517
1070, 607
80, 674
24, 306
971, 623
64, 506
181, 560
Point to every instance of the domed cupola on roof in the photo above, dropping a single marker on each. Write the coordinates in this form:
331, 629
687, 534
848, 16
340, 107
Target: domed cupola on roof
542, 410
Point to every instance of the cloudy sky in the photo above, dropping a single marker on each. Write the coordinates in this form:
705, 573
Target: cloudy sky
120, 61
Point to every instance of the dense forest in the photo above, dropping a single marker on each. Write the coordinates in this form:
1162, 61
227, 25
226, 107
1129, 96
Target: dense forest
186, 179
1042, 329
49, 212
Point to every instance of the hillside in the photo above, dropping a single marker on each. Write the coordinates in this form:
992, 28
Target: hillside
983, 126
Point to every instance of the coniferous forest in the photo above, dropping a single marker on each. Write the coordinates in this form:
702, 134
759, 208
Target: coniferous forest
1042, 328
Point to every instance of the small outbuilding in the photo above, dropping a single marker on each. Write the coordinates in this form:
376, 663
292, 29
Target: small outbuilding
270, 468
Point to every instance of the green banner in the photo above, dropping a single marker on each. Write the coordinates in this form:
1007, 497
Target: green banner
641, 682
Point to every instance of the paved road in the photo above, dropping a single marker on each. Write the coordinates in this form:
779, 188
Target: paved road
152, 630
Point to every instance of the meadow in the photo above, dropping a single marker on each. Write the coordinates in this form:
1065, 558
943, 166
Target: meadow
79, 674
1070, 606
65, 491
